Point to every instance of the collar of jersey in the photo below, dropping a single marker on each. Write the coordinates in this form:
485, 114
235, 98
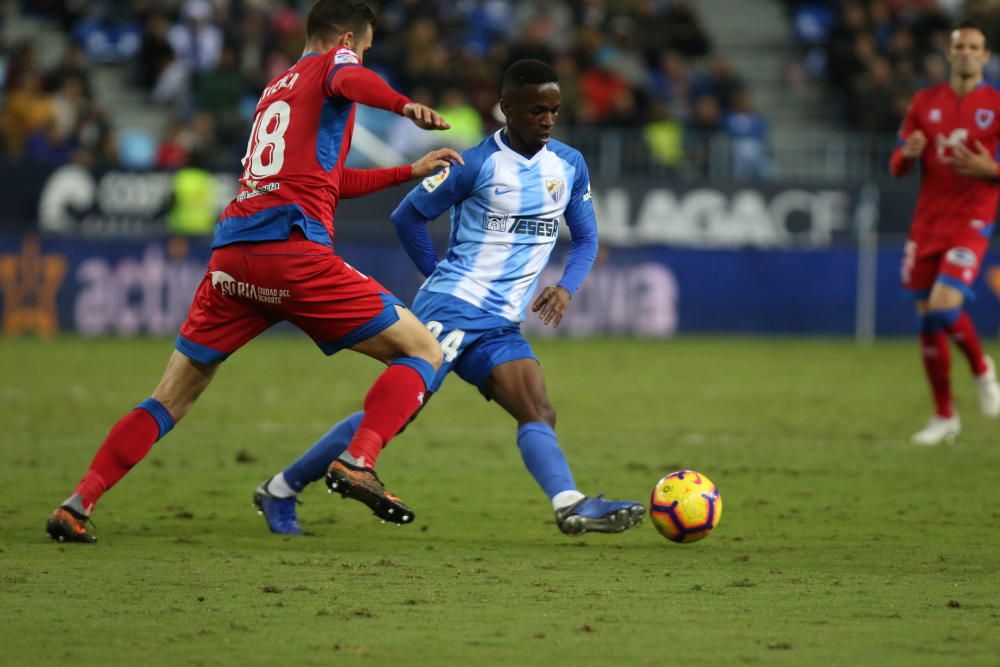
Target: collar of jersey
505, 148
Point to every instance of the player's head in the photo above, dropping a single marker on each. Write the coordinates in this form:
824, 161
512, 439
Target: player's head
349, 24
529, 100
968, 52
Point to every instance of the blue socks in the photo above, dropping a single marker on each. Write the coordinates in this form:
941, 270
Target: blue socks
543, 458
312, 466
536, 440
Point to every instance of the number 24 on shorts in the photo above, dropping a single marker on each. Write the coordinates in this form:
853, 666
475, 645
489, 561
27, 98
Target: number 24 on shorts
451, 343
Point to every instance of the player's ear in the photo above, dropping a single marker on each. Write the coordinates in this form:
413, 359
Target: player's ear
347, 41
505, 107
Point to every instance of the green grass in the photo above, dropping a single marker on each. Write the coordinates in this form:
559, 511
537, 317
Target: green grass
840, 543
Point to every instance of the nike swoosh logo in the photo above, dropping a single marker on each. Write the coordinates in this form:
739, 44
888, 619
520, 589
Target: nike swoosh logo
502, 191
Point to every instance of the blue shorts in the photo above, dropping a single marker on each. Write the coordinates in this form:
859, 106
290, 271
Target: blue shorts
474, 342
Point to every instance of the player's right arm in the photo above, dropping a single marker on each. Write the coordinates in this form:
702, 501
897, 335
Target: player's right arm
426, 202
911, 144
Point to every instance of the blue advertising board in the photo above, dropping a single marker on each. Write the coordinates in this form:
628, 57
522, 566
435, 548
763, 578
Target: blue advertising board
129, 287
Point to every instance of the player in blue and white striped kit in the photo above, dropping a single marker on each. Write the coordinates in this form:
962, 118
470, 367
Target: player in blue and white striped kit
506, 201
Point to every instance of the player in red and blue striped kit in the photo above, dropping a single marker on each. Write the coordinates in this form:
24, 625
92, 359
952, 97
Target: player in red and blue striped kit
273, 260
953, 130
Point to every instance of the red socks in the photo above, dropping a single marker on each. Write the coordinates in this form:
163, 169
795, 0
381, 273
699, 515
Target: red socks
128, 443
937, 364
963, 332
396, 395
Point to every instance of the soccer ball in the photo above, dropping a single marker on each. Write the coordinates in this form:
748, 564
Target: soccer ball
685, 506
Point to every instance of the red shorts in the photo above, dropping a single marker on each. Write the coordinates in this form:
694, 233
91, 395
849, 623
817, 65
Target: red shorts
251, 286
953, 261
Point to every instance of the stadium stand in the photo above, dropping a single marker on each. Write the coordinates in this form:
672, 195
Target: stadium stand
165, 84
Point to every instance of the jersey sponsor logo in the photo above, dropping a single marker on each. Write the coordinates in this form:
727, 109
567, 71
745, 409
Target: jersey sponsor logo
345, 57
495, 222
961, 257
503, 189
254, 191
556, 187
226, 285
934, 116
586, 195
431, 183
984, 118
946, 145
518, 224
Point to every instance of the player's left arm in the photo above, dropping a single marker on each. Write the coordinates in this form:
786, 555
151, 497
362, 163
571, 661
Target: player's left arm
360, 182
975, 162
552, 303
345, 77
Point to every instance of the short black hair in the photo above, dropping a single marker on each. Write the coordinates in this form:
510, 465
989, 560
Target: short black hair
528, 72
969, 24
329, 18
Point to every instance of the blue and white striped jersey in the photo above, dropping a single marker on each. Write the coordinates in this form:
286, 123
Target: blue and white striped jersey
505, 213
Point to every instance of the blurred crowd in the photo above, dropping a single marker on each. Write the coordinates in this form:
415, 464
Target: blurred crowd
874, 54
645, 65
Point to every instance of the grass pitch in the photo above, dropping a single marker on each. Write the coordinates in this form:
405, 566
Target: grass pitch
840, 543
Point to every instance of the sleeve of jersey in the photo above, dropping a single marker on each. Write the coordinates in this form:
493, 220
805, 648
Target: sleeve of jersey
360, 182
411, 227
899, 165
582, 230
353, 82
437, 193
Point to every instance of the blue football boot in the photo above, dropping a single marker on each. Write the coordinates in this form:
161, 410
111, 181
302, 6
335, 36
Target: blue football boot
279, 512
597, 515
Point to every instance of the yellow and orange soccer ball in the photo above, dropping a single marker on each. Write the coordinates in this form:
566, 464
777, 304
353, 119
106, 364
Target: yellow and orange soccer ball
685, 506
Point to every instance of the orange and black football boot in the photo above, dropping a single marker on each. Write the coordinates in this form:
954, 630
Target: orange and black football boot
361, 483
68, 525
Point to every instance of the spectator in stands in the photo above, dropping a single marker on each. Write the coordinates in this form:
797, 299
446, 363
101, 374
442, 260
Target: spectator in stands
664, 137
724, 83
671, 84
747, 131
601, 86
219, 92
72, 66
28, 110
172, 153
196, 40
701, 131
156, 54
466, 123
685, 33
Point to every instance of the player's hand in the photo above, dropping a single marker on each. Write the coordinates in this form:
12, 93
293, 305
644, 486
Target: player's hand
435, 160
551, 304
424, 117
976, 163
915, 145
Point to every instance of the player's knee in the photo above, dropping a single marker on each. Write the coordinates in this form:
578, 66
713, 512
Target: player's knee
432, 354
940, 319
545, 412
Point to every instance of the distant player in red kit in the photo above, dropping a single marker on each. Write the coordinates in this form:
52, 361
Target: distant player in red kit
953, 129
273, 260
